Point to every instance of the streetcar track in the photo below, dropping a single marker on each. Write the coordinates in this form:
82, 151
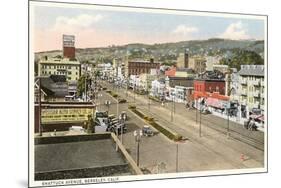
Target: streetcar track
257, 144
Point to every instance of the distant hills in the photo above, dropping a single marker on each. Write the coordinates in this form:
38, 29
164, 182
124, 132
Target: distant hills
166, 52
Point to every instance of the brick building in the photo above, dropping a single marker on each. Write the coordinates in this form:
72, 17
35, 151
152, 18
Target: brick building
138, 67
204, 86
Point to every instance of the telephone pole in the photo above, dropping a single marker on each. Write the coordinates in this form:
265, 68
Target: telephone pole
177, 158
39, 108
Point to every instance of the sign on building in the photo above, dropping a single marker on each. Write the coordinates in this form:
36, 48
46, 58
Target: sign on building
68, 40
65, 115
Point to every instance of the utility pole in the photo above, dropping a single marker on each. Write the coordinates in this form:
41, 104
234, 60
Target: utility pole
85, 88
228, 123
137, 135
200, 122
177, 158
172, 118
196, 106
174, 104
134, 91
39, 108
123, 122
116, 132
148, 100
127, 87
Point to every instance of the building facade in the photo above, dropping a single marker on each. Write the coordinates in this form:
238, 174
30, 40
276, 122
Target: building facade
252, 86
67, 65
198, 64
182, 60
138, 67
71, 69
203, 86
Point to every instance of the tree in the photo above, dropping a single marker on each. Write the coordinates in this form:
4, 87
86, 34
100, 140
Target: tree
242, 57
81, 85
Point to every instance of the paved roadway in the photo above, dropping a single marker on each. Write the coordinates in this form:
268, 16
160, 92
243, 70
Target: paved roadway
212, 151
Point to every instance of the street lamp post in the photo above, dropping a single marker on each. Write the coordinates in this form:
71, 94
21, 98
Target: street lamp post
85, 88
127, 87
172, 108
138, 135
196, 108
39, 109
107, 103
117, 106
228, 123
116, 132
200, 108
177, 158
122, 124
134, 91
148, 99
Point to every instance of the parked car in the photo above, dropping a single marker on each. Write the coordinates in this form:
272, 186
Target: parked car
147, 131
206, 111
122, 100
120, 127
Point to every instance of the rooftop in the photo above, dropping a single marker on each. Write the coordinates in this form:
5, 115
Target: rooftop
55, 85
252, 70
59, 60
77, 156
85, 154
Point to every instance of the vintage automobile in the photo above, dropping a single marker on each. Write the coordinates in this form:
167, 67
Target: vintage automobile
122, 100
147, 131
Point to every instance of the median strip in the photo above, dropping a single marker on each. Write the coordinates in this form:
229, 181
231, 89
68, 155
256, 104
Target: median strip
150, 120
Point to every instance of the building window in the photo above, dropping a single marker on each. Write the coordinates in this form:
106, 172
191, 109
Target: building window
69, 67
76, 73
69, 72
50, 72
42, 72
69, 78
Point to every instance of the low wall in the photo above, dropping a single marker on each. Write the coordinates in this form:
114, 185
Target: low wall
132, 163
71, 138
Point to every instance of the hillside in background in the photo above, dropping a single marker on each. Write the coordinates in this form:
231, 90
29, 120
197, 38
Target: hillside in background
251, 50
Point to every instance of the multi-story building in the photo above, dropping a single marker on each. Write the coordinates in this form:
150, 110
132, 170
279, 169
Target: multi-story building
70, 68
209, 82
198, 64
137, 67
146, 80
67, 65
251, 87
182, 60
211, 61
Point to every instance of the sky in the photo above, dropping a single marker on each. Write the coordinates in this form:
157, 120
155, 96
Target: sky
102, 28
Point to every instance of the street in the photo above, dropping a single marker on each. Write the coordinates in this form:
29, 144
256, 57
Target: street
214, 150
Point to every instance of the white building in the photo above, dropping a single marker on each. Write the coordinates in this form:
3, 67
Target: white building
157, 88
251, 87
